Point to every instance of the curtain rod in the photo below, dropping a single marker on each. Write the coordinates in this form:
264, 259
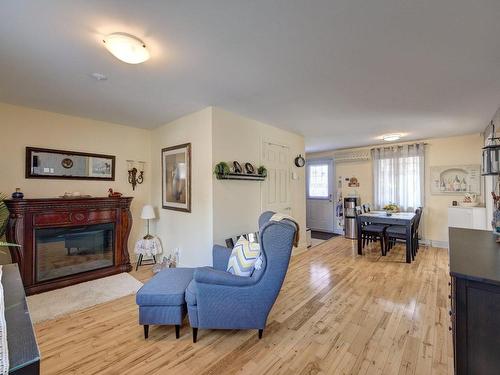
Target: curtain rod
399, 145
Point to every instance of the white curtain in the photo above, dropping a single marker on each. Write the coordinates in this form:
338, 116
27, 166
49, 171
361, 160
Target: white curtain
398, 176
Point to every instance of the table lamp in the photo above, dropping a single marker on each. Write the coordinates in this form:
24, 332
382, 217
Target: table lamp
148, 213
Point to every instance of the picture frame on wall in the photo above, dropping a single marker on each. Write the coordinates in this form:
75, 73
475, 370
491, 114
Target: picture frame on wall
456, 179
176, 177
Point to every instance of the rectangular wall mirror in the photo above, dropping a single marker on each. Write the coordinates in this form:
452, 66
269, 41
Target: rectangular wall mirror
60, 164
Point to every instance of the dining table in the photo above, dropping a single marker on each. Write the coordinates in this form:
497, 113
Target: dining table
406, 219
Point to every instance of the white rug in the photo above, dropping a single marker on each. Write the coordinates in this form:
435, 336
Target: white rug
49, 305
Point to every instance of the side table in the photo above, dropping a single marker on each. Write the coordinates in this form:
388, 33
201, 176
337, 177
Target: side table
149, 247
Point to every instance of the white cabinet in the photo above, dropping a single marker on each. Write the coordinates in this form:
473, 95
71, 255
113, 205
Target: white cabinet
467, 217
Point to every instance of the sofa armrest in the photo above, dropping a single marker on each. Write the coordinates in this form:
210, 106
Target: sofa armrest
207, 275
220, 257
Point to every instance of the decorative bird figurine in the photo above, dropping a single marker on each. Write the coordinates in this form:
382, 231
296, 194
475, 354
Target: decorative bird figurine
114, 194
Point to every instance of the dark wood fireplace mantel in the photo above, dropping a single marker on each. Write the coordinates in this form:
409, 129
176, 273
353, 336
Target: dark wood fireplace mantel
29, 215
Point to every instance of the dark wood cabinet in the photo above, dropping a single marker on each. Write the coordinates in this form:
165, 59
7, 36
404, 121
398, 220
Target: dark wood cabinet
475, 301
52, 233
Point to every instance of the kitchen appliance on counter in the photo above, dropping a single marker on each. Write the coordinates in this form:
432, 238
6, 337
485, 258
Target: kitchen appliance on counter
350, 229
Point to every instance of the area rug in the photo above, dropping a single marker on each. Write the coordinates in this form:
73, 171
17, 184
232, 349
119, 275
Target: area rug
53, 304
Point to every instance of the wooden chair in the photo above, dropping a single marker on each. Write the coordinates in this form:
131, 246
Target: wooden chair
371, 232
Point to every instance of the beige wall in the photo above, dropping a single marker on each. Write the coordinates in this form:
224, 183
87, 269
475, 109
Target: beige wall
237, 204
191, 233
21, 127
219, 209
439, 152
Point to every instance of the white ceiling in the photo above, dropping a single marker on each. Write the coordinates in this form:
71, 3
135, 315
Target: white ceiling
340, 72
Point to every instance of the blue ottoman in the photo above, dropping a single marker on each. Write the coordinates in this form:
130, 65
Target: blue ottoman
161, 300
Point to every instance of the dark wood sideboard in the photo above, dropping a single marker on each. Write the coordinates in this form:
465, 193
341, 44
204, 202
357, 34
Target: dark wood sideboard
475, 301
27, 216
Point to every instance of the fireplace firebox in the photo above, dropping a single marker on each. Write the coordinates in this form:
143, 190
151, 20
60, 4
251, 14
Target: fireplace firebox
67, 241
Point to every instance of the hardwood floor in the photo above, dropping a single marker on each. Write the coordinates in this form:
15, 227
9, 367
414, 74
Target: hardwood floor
337, 313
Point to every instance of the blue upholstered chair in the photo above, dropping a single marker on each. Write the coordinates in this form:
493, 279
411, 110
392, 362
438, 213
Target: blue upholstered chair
217, 299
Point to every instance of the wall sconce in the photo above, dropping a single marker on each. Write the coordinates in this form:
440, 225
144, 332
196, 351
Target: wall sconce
135, 176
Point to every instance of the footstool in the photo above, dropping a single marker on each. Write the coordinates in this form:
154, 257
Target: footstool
161, 300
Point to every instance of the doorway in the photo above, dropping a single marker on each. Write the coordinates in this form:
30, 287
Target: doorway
276, 194
320, 191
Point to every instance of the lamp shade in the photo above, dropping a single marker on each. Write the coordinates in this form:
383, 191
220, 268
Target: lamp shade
148, 212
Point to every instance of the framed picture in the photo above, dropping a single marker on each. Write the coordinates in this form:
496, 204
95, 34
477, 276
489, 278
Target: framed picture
456, 180
176, 177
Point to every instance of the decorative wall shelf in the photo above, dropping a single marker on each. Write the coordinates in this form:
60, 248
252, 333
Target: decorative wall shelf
241, 176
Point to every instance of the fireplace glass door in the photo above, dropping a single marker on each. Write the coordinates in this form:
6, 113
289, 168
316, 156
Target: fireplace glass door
67, 251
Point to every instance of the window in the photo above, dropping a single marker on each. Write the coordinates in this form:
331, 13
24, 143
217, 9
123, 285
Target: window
318, 186
398, 176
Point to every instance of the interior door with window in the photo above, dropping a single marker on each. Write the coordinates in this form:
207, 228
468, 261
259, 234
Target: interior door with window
320, 193
276, 194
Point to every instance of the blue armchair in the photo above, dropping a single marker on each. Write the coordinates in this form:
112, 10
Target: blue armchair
217, 299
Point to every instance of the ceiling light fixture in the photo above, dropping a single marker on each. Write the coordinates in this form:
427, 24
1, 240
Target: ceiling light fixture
126, 48
391, 137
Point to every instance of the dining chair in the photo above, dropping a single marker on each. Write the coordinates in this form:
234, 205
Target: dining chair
370, 232
398, 232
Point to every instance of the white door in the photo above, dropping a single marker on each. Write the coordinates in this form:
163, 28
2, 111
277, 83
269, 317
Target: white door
276, 195
320, 192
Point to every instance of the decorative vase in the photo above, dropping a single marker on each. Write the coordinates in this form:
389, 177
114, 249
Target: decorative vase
18, 194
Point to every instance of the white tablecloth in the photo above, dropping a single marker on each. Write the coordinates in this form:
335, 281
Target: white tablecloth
148, 247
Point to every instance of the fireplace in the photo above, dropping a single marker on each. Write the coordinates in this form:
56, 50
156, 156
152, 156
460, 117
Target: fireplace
66, 241
67, 251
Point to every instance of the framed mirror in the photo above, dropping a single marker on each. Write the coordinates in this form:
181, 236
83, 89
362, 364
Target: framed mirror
60, 164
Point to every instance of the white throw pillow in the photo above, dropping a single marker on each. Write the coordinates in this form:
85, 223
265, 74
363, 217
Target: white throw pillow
243, 257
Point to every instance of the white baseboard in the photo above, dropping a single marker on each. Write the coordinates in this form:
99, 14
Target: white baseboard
435, 243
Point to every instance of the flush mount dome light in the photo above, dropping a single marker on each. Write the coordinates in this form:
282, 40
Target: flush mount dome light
391, 137
126, 48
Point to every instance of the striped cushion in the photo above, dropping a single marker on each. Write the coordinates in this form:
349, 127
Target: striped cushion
243, 257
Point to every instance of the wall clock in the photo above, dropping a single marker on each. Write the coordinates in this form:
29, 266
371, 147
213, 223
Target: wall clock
300, 161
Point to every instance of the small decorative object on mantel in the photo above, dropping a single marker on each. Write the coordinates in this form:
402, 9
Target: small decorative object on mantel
18, 194
391, 208
300, 161
135, 176
114, 194
74, 194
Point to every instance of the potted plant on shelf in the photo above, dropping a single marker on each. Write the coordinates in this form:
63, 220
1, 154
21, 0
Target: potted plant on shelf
262, 171
221, 169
